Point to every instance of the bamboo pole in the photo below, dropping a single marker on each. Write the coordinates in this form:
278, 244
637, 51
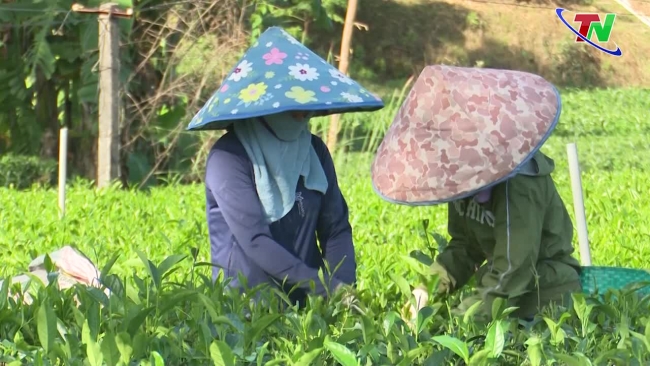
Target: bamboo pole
344, 62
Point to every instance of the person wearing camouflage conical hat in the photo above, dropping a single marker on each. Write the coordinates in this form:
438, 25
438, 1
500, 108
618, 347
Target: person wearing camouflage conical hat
471, 138
271, 187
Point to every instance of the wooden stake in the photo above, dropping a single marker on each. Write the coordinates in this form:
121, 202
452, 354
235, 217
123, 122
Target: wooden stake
109, 103
108, 153
114, 11
344, 62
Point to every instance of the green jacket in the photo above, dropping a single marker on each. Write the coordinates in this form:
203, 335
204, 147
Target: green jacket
524, 232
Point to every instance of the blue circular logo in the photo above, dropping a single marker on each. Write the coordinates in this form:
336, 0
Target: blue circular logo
616, 52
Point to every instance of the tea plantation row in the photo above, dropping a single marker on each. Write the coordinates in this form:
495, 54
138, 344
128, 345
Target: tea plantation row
165, 310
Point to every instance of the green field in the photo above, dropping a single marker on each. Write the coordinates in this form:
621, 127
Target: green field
178, 318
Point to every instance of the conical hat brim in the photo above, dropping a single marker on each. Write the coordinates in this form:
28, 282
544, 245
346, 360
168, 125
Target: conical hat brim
461, 130
279, 74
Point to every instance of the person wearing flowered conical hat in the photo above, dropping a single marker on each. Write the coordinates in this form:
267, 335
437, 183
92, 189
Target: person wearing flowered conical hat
471, 138
271, 187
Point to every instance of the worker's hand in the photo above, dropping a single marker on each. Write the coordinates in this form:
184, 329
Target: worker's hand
347, 294
411, 309
466, 304
421, 300
482, 313
445, 284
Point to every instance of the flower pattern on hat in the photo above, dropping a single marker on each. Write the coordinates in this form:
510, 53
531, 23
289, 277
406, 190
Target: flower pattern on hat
277, 74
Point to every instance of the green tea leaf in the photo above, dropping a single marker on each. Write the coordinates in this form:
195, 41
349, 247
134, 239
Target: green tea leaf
46, 326
156, 359
168, 263
221, 354
109, 265
471, 311
415, 265
110, 352
534, 350
4, 293
309, 357
350, 336
424, 317
569, 360
341, 353
93, 351
647, 333
123, 343
495, 340
421, 257
135, 322
150, 267
402, 285
262, 352
412, 355
480, 358
277, 361
498, 305
261, 325
321, 278
642, 338
93, 318
584, 360
613, 356
455, 345
173, 299
389, 322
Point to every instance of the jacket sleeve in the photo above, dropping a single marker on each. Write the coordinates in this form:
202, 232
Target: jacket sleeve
459, 262
334, 229
518, 212
229, 178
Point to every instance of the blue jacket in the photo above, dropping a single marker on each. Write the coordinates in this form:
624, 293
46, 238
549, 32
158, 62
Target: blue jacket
242, 242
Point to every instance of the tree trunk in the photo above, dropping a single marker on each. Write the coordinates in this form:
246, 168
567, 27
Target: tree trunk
85, 143
344, 62
47, 116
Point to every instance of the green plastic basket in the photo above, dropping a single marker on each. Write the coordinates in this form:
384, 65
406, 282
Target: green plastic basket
600, 279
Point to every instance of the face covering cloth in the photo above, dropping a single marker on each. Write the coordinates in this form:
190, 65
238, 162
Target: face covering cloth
279, 146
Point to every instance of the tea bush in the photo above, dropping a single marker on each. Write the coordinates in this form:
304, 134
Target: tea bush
21, 172
153, 251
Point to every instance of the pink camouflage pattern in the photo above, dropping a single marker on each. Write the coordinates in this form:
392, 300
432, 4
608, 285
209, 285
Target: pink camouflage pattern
460, 130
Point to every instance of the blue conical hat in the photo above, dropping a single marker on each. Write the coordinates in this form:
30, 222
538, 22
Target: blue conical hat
279, 74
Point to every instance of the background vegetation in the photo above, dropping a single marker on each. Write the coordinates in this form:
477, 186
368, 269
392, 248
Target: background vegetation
175, 53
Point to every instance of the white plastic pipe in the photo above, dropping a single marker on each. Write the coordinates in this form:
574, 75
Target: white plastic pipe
578, 204
63, 168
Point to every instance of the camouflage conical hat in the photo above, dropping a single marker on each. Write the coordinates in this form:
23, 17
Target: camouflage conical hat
279, 74
461, 130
